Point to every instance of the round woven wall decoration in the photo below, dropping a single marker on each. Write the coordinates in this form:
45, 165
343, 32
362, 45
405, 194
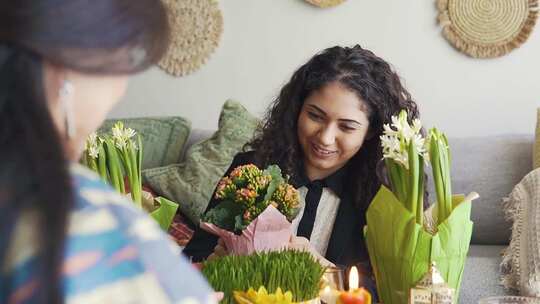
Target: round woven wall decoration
196, 27
487, 28
325, 3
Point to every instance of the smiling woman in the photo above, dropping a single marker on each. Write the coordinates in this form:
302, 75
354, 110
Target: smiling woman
332, 126
323, 131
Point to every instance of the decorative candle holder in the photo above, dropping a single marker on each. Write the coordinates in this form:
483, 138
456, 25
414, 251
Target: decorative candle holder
432, 289
334, 278
354, 295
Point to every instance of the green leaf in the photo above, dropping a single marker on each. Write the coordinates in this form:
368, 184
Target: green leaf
238, 223
277, 180
421, 189
164, 215
114, 165
447, 177
139, 159
92, 164
395, 173
102, 164
412, 201
275, 172
440, 162
224, 215
134, 173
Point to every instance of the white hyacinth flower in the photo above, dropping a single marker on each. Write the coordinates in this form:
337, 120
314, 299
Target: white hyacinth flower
392, 149
402, 127
417, 125
419, 142
129, 133
122, 136
397, 136
92, 145
118, 135
388, 130
92, 138
93, 152
390, 144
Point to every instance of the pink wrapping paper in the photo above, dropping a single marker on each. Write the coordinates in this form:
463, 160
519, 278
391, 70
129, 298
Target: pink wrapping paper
270, 231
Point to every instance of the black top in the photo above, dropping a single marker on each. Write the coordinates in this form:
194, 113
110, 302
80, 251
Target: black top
346, 246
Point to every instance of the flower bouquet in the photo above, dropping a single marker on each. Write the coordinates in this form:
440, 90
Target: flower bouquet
255, 210
403, 240
117, 158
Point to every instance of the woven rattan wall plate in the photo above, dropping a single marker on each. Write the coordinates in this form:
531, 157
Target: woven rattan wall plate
325, 3
487, 28
196, 28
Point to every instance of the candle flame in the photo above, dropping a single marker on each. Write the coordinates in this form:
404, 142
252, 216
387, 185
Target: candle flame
353, 279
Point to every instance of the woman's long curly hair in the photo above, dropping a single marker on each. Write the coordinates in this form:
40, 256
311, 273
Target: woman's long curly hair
362, 72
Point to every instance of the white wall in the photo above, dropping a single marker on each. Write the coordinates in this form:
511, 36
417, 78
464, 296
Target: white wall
266, 40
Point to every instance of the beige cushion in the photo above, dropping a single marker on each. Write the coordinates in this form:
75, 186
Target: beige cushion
536, 151
521, 260
192, 182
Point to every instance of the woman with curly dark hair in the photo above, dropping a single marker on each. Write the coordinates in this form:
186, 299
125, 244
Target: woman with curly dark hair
323, 131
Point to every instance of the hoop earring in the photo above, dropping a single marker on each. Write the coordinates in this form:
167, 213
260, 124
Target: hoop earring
65, 95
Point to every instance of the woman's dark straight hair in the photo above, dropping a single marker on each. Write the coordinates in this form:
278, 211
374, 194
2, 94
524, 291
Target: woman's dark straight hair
94, 37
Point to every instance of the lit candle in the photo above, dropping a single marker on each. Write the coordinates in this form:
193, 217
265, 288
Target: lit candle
354, 295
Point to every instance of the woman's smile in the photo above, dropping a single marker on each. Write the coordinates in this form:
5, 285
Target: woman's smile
321, 152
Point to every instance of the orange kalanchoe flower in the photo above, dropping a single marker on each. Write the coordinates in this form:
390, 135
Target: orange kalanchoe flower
252, 190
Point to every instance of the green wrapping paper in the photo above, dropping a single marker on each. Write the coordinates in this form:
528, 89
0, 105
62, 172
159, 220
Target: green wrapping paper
401, 251
164, 214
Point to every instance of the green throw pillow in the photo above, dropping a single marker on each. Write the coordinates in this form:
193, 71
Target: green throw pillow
192, 182
163, 138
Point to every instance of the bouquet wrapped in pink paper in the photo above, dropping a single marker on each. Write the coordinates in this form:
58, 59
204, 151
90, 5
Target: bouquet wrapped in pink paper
255, 211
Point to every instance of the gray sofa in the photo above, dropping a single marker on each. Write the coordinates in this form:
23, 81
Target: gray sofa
490, 166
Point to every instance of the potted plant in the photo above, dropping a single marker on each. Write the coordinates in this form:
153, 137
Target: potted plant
296, 273
116, 157
401, 253
251, 198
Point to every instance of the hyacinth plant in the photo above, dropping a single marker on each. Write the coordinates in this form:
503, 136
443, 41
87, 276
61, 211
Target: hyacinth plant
130, 154
116, 157
247, 192
402, 253
404, 154
113, 156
